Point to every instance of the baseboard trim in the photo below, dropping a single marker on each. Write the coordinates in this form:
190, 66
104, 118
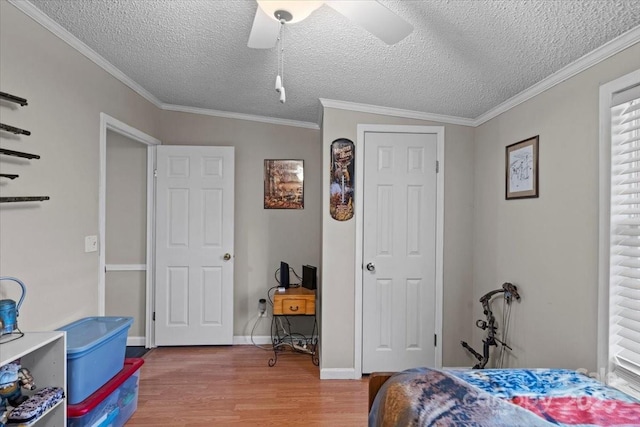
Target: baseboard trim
135, 341
237, 340
338, 374
246, 340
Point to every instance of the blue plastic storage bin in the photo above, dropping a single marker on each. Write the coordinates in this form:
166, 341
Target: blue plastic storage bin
96, 348
112, 404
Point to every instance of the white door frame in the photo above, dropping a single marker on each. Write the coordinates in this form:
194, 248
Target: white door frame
109, 123
359, 201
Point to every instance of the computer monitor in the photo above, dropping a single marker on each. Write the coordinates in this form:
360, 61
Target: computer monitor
309, 277
284, 275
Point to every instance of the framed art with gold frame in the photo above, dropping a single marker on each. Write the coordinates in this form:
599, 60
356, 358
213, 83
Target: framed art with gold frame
284, 184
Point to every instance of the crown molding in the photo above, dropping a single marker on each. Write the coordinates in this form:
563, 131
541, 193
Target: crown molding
592, 58
320, 113
395, 112
240, 116
37, 15
34, 13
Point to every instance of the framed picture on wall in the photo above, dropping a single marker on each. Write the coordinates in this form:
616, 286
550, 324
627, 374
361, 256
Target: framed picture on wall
522, 169
284, 184
341, 185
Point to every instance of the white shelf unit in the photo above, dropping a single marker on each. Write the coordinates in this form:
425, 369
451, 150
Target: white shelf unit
45, 355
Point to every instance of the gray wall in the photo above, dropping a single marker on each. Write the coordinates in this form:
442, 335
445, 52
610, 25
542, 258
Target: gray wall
547, 246
43, 243
338, 243
263, 237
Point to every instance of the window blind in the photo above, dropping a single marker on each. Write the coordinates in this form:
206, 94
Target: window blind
624, 280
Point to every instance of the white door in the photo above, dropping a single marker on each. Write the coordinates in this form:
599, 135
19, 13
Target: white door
399, 251
194, 245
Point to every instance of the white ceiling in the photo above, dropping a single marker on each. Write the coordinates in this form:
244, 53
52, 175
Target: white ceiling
463, 59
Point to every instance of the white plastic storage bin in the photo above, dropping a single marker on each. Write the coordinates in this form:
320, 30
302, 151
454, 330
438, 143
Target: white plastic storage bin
96, 348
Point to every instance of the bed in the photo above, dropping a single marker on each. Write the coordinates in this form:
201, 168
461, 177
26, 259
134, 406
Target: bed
495, 398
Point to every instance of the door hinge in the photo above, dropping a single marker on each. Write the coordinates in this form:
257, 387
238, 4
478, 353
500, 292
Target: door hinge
154, 316
435, 340
155, 173
437, 166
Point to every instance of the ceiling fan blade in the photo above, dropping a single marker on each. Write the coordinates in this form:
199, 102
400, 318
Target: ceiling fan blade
265, 30
375, 18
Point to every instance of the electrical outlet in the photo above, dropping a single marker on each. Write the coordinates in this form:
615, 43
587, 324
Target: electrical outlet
91, 243
262, 307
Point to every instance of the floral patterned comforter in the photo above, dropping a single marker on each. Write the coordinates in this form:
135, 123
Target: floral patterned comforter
500, 397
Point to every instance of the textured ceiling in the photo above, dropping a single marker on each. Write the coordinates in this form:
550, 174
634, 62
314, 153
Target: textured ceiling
462, 59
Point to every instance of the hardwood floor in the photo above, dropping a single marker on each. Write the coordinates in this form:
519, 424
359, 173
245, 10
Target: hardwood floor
220, 386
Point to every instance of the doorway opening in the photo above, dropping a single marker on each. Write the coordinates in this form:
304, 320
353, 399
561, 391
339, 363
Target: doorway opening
108, 125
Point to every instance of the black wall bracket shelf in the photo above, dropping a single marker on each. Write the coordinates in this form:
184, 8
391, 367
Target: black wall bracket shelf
18, 154
23, 199
7, 96
14, 129
17, 199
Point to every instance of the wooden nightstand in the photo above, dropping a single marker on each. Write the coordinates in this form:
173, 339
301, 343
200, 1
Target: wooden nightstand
293, 302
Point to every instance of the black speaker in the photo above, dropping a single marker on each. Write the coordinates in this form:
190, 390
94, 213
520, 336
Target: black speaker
309, 277
284, 275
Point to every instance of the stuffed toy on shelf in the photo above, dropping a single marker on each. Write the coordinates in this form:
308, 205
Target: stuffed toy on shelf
14, 378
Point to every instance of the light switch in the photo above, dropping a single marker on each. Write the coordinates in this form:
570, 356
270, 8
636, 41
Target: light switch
91, 243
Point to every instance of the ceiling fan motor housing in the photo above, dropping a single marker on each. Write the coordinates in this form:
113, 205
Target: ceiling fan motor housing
283, 15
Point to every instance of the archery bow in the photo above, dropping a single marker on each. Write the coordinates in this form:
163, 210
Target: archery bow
510, 291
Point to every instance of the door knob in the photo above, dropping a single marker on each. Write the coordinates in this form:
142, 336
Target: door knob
371, 267
227, 256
